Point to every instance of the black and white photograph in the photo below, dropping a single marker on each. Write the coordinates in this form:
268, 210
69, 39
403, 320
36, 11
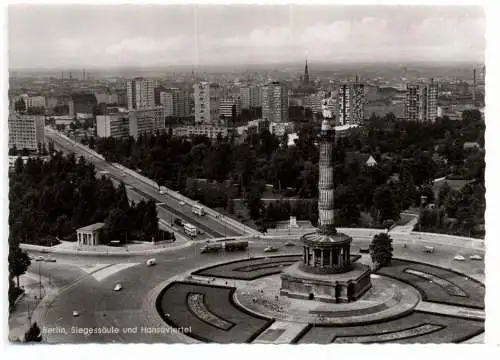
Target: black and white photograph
245, 174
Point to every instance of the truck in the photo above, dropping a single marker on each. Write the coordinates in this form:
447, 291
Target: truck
231, 245
198, 210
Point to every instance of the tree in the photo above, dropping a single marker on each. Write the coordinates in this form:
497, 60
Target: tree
19, 261
381, 250
33, 334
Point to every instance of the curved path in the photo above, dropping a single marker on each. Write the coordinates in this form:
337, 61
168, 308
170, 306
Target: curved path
86, 284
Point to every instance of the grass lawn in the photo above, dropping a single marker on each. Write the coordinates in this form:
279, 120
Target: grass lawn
208, 321
461, 290
250, 269
417, 327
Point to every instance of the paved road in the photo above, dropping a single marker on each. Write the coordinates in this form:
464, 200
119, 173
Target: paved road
213, 227
86, 285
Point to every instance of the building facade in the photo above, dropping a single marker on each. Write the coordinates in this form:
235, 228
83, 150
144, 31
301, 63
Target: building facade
210, 131
26, 131
145, 121
176, 102
113, 125
251, 96
207, 103
140, 94
421, 102
351, 104
226, 107
275, 102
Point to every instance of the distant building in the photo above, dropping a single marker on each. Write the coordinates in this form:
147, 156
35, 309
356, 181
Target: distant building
26, 131
280, 128
251, 96
351, 104
275, 102
140, 94
421, 103
227, 104
176, 102
34, 101
146, 121
210, 131
315, 101
83, 103
207, 103
113, 125
362, 159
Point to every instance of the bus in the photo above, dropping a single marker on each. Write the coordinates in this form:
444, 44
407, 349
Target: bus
198, 210
190, 230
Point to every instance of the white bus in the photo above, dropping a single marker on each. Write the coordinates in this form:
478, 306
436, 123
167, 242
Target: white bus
198, 210
190, 230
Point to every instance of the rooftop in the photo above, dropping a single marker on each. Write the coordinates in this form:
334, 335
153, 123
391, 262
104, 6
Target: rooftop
92, 227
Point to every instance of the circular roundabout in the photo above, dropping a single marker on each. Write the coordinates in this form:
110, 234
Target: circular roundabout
240, 302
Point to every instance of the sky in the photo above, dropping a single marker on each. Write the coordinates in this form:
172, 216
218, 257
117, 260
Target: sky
58, 36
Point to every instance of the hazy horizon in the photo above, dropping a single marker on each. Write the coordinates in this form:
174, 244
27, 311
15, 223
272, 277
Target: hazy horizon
149, 36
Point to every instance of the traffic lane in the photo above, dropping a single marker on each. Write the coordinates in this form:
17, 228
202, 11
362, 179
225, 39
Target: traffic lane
82, 297
208, 224
84, 260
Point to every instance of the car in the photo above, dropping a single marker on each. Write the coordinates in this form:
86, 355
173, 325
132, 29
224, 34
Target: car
290, 243
39, 258
271, 249
123, 174
476, 257
178, 221
162, 192
458, 258
76, 313
182, 203
151, 262
118, 287
364, 250
428, 249
50, 260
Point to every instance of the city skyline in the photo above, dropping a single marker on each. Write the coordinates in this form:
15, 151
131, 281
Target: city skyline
145, 36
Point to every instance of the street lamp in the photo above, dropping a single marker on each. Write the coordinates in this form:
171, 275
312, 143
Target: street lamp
423, 199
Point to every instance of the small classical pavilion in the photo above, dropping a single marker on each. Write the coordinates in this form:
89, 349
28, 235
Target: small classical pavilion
89, 235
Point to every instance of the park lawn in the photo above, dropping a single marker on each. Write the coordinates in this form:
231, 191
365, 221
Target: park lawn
447, 329
218, 301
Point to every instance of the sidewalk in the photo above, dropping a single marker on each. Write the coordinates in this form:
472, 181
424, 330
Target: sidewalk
66, 247
28, 307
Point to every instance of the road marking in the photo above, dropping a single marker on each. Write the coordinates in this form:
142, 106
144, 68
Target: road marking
111, 270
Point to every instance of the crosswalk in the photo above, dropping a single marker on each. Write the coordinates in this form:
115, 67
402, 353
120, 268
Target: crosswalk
103, 271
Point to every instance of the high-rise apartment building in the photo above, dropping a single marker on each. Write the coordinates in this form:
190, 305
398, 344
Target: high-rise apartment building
275, 102
421, 102
251, 96
344, 104
140, 94
227, 104
207, 103
26, 131
145, 121
113, 125
176, 102
351, 104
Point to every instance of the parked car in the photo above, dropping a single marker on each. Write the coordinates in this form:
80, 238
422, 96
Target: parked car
118, 287
290, 243
364, 250
151, 262
39, 258
458, 258
182, 203
76, 313
50, 260
476, 257
271, 249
